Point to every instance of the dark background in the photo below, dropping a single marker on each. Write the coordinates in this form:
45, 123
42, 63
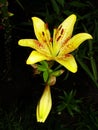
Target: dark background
17, 79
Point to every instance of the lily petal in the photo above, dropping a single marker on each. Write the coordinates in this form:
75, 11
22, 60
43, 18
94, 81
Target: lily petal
41, 31
44, 105
63, 33
35, 57
74, 43
35, 44
68, 61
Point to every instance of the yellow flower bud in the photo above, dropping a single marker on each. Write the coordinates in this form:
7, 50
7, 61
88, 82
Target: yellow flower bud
44, 105
52, 80
58, 73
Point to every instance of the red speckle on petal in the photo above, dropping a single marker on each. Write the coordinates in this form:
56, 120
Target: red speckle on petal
67, 55
39, 44
65, 42
51, 40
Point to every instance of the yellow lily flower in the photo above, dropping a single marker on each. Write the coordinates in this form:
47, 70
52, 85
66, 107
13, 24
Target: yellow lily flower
58, 48
44, 105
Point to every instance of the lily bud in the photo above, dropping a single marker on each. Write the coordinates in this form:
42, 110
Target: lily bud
52, 80
44, 105
58, 73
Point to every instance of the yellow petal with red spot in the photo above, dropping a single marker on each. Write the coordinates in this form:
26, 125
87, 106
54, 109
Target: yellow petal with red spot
68, 61
74, 43
63, 33
35, 57
44, 105
41, 31
35, 44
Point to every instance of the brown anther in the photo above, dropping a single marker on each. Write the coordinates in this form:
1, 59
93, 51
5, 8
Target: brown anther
62, 31
58, 38
43, 33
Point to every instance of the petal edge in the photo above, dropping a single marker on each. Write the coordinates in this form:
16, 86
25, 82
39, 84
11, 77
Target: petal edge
68, 62
35, 57
74, 43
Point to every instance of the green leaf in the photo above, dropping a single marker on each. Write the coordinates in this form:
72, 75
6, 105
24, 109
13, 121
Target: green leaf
94, 74
70, 111
41, 68
87, 70
20, 4
78, 4
61, 2
44, 64
45, 76
55, 6
67, 12
68, 101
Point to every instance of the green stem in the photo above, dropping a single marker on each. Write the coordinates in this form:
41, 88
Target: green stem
92, 61
85, 67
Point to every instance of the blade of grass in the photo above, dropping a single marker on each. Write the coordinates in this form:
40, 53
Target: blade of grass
92, 60
86, 69
20, 4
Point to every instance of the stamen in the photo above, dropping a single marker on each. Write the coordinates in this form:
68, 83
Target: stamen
43, 33
62, 31
43, 38
58, 31
58, 38
66, 40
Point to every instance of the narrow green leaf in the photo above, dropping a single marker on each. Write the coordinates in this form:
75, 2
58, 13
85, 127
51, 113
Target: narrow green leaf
44, 64
86, 69
61, 2
78, 4
41, 68
92, 60
70, 111
20, 4
45, 76
55, 6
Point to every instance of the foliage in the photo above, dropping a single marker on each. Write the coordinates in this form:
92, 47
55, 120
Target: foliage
6, 38
68, 101
54, 11
16, 117
88, 119
47, 71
